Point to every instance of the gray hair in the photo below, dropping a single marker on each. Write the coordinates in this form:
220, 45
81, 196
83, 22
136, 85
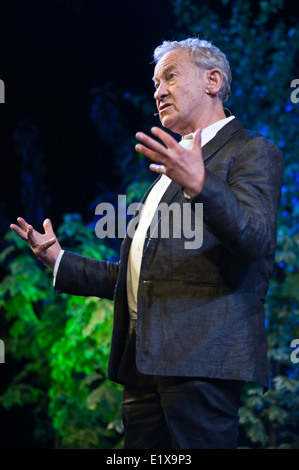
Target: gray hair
203, 54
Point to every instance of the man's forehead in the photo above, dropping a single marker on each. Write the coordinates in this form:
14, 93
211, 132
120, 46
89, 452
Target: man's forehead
170, 60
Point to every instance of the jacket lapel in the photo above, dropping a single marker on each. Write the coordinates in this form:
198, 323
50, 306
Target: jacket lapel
223, 136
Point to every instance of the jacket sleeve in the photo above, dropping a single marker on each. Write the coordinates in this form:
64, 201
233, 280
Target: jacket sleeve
241, 212
79, 275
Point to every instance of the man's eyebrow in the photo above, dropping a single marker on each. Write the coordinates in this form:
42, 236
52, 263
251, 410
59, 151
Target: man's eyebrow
165, 71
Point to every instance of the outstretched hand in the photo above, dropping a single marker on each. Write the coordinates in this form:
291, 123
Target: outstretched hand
45, 246
185, 167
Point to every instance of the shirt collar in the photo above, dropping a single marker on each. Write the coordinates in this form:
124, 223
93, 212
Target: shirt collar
209, 132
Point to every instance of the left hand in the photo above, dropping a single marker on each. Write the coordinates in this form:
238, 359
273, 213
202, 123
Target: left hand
185, 167
45, 246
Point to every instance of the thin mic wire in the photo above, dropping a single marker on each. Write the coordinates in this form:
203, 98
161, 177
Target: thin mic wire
228, 110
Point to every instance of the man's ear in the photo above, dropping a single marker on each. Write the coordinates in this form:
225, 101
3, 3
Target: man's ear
214, 81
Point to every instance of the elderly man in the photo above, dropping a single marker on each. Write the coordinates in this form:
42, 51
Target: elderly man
188, 323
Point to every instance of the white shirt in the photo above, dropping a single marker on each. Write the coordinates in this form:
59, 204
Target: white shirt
147, 213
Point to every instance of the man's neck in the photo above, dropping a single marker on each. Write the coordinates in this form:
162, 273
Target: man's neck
208, 118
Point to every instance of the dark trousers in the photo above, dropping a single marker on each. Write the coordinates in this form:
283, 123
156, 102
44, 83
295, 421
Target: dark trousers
180, 413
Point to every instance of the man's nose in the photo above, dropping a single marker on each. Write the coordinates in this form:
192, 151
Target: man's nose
161, 92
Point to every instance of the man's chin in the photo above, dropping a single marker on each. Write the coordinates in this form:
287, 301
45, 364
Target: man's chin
167, 122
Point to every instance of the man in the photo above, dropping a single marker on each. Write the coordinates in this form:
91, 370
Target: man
188, 323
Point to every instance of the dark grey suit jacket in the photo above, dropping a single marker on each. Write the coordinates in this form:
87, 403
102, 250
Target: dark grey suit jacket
200, 312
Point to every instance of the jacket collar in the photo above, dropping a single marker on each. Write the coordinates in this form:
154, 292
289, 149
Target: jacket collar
221, 138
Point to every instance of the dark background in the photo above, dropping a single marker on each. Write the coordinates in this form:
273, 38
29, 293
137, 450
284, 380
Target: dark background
52, 55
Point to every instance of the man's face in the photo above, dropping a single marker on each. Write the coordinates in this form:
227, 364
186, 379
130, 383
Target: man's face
180, 92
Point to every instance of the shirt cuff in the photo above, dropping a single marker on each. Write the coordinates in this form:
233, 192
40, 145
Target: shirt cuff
56, 266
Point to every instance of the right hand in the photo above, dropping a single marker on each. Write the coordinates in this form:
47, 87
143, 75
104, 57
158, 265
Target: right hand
45, 246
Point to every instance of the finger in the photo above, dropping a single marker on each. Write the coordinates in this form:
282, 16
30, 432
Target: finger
23, 223
157, 168
48, 243
19, 232
149, 153
168, 140
48, 227
151, 143
30, 237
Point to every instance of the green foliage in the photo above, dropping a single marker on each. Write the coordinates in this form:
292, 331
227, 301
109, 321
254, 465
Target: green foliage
64, 342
